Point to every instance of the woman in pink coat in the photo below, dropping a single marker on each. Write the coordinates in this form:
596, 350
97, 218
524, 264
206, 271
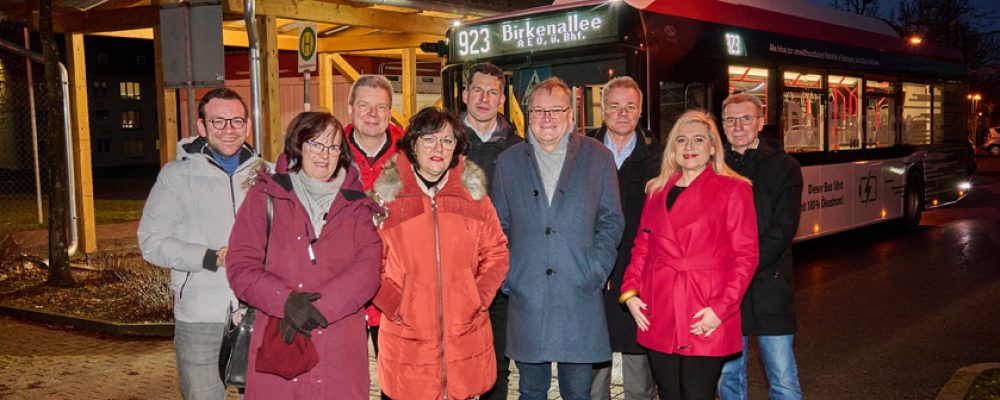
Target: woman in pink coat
323, 260
694, 256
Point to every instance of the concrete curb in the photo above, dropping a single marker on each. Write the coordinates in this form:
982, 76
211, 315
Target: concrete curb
111, 328
958, 386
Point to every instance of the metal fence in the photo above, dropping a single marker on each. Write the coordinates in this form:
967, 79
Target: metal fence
23, 142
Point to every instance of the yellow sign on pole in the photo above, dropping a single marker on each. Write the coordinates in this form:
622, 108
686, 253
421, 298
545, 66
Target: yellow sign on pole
307, 48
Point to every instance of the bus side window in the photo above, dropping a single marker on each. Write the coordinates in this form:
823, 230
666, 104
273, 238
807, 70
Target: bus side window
803, 112
949, 113
880, 114
916, 113
844, 122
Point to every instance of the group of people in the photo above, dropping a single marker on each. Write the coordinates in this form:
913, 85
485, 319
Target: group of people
458, 246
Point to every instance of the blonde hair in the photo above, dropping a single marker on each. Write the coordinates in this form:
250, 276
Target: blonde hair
669, 166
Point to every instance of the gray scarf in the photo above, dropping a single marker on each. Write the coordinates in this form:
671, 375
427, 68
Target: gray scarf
316, 196
550, 164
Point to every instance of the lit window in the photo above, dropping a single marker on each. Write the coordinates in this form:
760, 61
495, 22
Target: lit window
129, 90
131, 120
844, 122
880, 114
803, 112
749, 80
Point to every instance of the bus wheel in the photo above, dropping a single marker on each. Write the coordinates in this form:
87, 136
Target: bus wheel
913, 201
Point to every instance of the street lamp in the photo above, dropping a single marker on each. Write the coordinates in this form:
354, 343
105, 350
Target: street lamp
974, 98
973, 121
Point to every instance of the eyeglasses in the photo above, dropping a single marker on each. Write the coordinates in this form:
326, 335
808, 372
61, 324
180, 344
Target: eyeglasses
317, 147
743, 120
366, 108
430, 142
552, 113
220, 123
617, 108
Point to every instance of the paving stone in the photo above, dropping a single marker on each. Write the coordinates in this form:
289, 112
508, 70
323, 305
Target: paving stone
55, 362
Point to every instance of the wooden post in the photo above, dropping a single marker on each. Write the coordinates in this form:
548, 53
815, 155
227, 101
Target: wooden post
80, 120
326, 81
270, 107
409, 81
166, 107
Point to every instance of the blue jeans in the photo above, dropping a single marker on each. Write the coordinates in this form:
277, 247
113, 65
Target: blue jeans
197, 348
779, 365
574, 380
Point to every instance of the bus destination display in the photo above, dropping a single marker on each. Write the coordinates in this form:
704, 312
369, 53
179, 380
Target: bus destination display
570, 29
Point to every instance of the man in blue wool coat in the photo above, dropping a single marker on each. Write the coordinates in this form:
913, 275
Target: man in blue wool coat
557, 198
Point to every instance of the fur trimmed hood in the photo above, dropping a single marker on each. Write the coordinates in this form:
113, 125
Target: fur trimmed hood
392, 182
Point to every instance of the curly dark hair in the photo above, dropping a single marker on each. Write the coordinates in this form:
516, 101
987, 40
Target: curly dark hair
429, 121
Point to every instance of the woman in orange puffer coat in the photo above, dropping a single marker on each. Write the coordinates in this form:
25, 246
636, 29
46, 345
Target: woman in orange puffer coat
445, 257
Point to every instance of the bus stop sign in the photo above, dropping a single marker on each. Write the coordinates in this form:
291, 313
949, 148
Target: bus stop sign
307, 48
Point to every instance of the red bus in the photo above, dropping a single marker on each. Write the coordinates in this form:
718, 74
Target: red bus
877, 122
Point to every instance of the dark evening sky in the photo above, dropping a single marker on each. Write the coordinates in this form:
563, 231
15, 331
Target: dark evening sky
981, 5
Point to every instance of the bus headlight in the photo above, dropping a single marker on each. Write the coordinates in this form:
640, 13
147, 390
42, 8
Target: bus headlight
965, 186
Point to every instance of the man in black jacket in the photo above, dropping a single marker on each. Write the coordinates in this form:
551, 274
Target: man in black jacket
489, 133
621, 104
767, 311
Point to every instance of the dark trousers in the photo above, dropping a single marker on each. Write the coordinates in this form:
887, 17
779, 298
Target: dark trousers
498, 318
373, 332
685, 377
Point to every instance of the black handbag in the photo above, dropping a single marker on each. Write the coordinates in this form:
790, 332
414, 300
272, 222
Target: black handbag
234, 356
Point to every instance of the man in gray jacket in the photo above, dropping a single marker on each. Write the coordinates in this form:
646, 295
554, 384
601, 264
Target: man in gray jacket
556, 195
185, 227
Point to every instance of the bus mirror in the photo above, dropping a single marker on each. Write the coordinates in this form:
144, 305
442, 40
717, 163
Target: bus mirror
440, 47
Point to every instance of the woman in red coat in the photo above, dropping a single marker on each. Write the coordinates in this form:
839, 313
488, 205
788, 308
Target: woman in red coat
446, 256
322, 265
694, 256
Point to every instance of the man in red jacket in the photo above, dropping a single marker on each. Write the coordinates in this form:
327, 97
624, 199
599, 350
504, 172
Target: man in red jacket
372, 140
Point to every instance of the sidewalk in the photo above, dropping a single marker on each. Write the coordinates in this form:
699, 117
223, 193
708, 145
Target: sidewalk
51, 362
39, 362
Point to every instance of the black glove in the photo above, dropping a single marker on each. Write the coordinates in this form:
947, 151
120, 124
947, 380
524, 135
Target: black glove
301, 314
287, 332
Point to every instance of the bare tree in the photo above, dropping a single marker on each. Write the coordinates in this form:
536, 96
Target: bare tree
59, 272
955, 24
864, 7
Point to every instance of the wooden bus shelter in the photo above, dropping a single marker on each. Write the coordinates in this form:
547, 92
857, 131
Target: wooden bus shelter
378, 28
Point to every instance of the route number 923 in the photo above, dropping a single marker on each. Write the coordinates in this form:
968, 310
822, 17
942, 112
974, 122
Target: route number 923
473, 42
